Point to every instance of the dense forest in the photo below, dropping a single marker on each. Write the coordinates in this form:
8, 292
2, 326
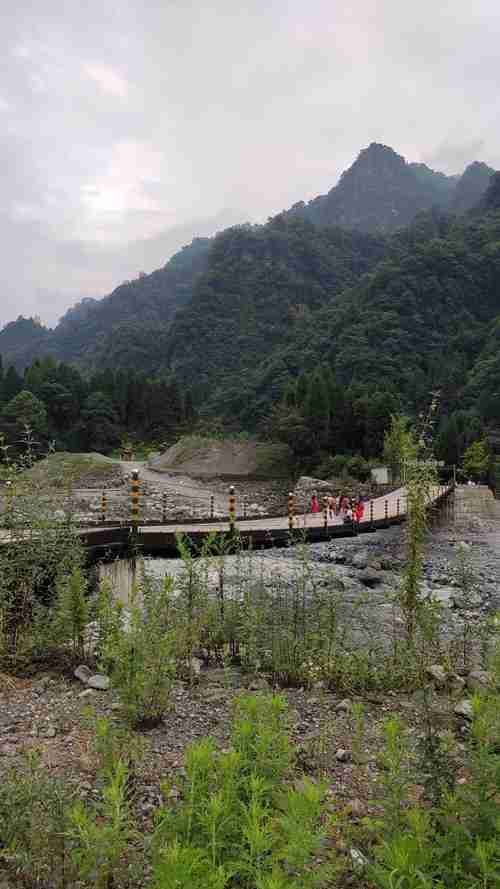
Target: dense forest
308, 333
94, 413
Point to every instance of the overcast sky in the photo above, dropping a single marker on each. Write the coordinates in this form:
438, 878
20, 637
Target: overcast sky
129, 127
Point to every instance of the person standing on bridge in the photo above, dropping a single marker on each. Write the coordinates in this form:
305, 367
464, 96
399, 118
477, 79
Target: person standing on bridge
359, 510
314, 502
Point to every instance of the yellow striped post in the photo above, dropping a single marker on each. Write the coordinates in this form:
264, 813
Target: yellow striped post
371, 513
232, 509
386, 512
104, 506
164, 506
291, 511
9, 502
211, 506
135, 494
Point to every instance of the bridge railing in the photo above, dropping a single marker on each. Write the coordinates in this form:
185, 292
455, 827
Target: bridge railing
114, 508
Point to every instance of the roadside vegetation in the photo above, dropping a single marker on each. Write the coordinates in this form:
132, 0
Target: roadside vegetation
256, 812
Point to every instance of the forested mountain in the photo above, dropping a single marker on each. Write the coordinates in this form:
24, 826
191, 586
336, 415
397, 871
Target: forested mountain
471, 187
134, 317
261, 282
418, 320
23, 340
311, 333
380, 193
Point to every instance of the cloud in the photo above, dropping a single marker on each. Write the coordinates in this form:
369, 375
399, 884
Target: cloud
107, 79
122, 122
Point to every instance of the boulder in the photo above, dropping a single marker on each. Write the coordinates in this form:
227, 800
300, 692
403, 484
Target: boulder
361, 559
467, 600
343, 706
437, 674
444, 595
196, 665
98, 681
479, 680
456, 684
259, 684
342, 755
464, 709
82, 673
370, 578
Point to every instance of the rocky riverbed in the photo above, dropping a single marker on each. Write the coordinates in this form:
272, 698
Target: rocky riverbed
49, 712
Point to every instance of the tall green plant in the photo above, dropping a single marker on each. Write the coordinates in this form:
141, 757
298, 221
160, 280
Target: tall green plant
140, 649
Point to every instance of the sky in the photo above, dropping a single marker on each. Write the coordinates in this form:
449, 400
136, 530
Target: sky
127, 128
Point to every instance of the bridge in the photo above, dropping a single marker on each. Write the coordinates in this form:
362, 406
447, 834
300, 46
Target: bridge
107, 541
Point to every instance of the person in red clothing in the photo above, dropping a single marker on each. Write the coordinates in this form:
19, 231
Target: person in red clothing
314, 503
360, 510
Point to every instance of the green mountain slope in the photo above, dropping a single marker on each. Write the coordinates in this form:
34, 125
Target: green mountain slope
260, 281
417, 321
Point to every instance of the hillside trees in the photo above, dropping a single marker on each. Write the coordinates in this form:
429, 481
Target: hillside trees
91, 414
22, 413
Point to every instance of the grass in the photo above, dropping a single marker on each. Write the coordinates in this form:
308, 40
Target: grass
62, 470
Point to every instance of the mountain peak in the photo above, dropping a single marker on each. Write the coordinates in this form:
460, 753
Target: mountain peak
472, 185
377, 159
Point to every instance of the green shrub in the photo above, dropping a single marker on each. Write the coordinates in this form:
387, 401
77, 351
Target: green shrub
237, 825
72, 611
34, 823
101, 834
138, 645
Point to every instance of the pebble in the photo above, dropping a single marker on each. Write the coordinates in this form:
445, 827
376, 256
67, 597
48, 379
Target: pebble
342, 755
343, 706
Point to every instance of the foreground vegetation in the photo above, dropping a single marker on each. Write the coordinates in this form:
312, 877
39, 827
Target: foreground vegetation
244, 814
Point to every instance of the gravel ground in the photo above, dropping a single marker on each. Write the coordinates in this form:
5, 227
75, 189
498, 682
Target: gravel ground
49, 712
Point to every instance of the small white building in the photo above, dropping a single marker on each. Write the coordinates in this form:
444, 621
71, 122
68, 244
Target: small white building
380, 475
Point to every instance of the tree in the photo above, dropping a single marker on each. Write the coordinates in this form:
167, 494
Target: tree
99, 429
23, 412
476, 461
12, 384
395, 440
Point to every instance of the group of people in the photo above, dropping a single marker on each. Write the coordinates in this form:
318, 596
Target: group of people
350, 509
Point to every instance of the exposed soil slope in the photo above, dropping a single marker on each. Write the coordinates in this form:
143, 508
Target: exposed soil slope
209, 457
